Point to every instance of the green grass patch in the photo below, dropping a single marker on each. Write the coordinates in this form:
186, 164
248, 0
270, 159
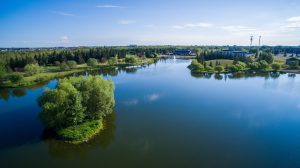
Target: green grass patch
223, 62
81, 133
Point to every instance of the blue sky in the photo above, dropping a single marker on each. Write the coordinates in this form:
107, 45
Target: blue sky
47, 23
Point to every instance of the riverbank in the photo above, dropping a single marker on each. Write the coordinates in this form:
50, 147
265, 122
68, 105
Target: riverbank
52, 72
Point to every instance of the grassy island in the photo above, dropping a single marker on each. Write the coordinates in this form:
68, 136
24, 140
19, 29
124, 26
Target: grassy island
76, 107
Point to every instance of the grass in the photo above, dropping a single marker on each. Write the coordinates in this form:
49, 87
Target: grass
81, 133
223, 62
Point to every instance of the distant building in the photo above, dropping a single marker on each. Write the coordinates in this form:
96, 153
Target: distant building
234, 53
183, 52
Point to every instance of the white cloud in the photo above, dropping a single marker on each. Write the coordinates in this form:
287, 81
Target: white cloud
109, 6
193, 25
63, 13
153, 97
178, 27
294, 19
126, 22
293, 22
204, 25
64, 39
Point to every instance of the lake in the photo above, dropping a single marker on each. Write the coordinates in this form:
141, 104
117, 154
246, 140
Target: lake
167, 117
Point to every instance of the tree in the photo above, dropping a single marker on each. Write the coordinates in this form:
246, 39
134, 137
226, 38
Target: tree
33, 69
232, 68
3, 69
196, 67
76, 100
130, 59
276, 67
254, 66
72, 64
209, 69
16, 78
64, 67
211, 64
266, 56
92, 62
263, 65
241, 66
113, 61
61, 107
293, 64
219, 69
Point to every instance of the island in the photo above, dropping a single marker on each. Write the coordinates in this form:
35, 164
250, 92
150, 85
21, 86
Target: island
76, 108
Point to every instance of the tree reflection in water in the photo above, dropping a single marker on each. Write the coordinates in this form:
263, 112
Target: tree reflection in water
60, 149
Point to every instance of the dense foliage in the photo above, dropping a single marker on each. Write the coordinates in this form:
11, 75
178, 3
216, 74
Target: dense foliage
75, 101
19, 59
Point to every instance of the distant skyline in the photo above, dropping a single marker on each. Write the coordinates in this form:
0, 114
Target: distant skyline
67, 23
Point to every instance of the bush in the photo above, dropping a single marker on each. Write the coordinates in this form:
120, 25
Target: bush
33, 69
263, 65
113, 61
130, 59
293, 65
64, 67
276, 67
219, 69
16, 78
72, 64
81, 132
196, 67
92, 62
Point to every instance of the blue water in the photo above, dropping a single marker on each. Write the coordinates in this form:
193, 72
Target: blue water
167, 117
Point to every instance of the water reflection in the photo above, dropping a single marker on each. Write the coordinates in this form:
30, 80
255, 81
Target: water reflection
271, 75
59, 149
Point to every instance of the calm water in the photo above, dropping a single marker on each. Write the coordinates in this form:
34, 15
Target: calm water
166, 117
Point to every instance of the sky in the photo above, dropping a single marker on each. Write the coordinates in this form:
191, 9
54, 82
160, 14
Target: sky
66, 23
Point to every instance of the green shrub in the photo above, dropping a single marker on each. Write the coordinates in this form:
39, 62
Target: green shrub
130, 59
72, 64
92, 62
33, 69
81, 132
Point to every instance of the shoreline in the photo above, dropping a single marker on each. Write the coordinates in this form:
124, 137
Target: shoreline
48, 76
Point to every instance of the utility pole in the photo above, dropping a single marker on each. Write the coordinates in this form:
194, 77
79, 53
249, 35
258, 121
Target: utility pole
259, 43
251, 42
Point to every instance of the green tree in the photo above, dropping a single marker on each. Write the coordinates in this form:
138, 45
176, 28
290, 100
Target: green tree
16, 78
276, 67
92, 62
219, 68
33, 69
113, 61
196, 67
293, 64
232, 68
130, 59
241, 66
254, 66
3, 69
263, 65
61, 107
266, 56
64, 67
72, 64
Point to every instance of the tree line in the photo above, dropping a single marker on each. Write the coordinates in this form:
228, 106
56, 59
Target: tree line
19, 59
